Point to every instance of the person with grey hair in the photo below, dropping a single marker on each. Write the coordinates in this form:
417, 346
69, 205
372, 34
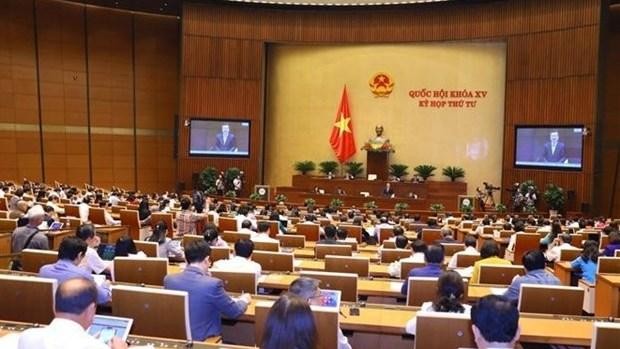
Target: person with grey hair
29, 236
563, 243
74, 309
308, 289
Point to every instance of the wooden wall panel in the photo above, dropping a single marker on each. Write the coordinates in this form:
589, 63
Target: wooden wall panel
19, 112
552, 53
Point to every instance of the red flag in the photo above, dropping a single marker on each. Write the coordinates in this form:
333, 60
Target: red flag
342, 140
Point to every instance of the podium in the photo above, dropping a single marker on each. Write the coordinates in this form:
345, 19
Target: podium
377, 162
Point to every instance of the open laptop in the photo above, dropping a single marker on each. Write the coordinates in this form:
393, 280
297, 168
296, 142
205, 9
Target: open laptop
107, 252
105, 327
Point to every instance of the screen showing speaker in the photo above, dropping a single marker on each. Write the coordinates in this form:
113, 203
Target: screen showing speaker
217, 137
549, 147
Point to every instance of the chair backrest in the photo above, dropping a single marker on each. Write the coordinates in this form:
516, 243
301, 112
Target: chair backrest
524, 243
351, 243
605, 335
466, 260
568, 254
577, 240
149, 248
131, 219
341, 264
227, 223
27, 298
33, 260
72, 210
4, 214
118, 208
405, 268
608, 265
155, 312
547, 299
505, 233
148, 271
4, 206
266, 246
233, 236
296, 241
354, 231
429, 236
389, 255
486, 230
604, 241
237, 281
166, 218
55, 237
326, 324
385, 233
274, 261
218, 253
7, 225
274, 227
97, 215
449, 249
345, 282
187, 238
499, 274
320, 251
389, 244
310, 231
424, 289
617, 253
443, 330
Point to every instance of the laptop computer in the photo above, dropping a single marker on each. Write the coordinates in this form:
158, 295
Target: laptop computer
106, 327
107, 252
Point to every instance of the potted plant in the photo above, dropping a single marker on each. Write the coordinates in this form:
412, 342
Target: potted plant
230, 194
230, 175
466, 209
327, 167
454, 172
354, 169
370, 205
336, 204
255, 196
500, 208
398, 170
207, 178
304, 167
399, 207
436, 208
555, 199
425, 171
280, 198
309, 202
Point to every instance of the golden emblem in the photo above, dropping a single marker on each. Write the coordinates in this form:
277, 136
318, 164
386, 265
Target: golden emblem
381, 84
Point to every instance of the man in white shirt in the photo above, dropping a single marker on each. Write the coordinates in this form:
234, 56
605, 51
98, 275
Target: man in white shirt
470, 249
84, 209
553, 254
308, 289
418, 248
242, 215
92, 262
242, 261
383, 224
74, 308
263, 233
246, 228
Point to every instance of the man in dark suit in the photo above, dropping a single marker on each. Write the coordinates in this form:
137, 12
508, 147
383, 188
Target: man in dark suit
207, 297
555, 151
388, 191
225, 141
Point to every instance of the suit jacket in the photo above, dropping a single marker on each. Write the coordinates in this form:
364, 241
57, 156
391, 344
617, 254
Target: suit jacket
388, 192
207, 301
558, 156
229, 145
430, 270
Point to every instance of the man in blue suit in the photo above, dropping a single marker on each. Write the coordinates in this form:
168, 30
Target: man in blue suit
225, 141
434, 258
555, 151
207, 298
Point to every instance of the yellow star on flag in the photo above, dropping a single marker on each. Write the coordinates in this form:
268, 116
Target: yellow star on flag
343, 124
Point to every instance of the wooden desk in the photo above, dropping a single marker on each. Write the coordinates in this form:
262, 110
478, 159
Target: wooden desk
308, 252
607, 300
110, 234
55, 237
376, 270
563, 271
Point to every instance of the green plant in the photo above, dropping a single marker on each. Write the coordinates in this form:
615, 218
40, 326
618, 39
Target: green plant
501, 208
400, 206
354, 168
309, 202
554, 197
230, 175
528, 186
399, 170
255, 196
207, 178
336, 204
281, 198
531, 209
230, 194
371, 205
466, 209
454, 172
305, 167
436, 208
425, 171
325, 167
211, 191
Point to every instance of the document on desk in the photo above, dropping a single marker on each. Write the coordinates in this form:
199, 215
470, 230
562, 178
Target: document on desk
395, 286
262, 278
297, 263
465, 272
498, 291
